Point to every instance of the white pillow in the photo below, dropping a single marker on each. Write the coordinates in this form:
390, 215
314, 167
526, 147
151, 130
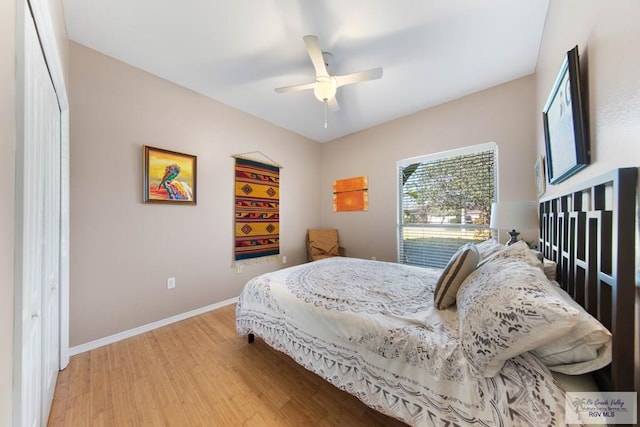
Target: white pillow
507, 307
488, 248
584, 348
463, 262
518, 250
550, 267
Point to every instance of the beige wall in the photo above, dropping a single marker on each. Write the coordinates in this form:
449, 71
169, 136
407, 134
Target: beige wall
57, 19
7, 150
122, 250
504, 114
607, 34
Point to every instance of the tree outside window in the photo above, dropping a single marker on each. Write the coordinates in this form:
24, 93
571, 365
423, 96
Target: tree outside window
445, 201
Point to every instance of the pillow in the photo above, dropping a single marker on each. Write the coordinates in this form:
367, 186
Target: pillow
463, 262
584, 348
537, 254
507, 307
549, 267
518, 250
488, 248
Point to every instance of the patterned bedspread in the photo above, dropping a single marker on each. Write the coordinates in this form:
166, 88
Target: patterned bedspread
371, 329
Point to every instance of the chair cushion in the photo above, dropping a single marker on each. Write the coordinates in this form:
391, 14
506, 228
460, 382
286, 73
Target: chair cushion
322, 243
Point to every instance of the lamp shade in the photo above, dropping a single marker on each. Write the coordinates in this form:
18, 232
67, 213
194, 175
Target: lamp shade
514, 215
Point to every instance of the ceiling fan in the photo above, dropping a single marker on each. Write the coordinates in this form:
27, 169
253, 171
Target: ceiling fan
325, 85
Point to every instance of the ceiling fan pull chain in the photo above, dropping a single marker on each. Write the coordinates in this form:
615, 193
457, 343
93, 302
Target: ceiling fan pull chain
325, 113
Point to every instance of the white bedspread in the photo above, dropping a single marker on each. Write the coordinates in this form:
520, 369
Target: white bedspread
371, 329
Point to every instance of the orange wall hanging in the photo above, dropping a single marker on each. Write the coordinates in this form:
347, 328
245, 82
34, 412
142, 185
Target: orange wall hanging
351, 194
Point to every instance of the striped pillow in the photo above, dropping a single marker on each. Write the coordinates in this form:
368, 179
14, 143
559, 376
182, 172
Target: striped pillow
461, 264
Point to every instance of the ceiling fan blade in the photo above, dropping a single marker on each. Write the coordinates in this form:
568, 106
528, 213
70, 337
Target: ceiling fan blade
333, 104
315, 53
360, 76
295, 88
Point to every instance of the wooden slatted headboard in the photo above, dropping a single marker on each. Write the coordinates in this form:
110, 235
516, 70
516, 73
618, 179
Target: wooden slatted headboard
590, 233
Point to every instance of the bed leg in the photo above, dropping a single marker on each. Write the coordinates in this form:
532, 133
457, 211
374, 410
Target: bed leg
250, 338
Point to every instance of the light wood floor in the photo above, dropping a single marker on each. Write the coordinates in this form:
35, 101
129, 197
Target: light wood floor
198, 372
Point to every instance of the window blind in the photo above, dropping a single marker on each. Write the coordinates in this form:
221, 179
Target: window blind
444, 202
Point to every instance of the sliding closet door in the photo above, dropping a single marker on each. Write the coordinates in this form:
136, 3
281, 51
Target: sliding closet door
38, 235
50, 125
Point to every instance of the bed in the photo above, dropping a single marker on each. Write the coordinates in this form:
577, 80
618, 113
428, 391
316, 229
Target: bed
431, 347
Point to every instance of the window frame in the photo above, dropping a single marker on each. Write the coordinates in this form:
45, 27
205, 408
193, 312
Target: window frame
468, 150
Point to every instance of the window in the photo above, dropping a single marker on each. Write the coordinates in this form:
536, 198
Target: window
444, 202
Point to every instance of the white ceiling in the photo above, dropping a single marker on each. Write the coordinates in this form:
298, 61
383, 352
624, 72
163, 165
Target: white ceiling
238, 51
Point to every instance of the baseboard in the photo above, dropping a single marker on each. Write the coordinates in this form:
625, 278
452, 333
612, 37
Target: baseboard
148, 327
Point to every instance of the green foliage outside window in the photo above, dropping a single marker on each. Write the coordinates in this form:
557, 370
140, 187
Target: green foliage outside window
445, 202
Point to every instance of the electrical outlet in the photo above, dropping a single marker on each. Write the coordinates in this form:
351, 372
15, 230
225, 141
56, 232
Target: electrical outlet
238, 269
284, 259
171, 282
374, 258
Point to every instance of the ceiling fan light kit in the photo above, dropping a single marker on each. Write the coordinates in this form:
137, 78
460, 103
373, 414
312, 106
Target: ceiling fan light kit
325, 88
326, 85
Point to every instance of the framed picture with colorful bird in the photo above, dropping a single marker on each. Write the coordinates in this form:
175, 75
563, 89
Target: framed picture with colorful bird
169, 176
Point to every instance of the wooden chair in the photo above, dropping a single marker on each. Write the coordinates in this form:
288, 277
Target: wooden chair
323, 243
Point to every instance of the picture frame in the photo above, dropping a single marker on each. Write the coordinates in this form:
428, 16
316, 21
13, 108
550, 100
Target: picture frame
169, 176
541, 179
565, 125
